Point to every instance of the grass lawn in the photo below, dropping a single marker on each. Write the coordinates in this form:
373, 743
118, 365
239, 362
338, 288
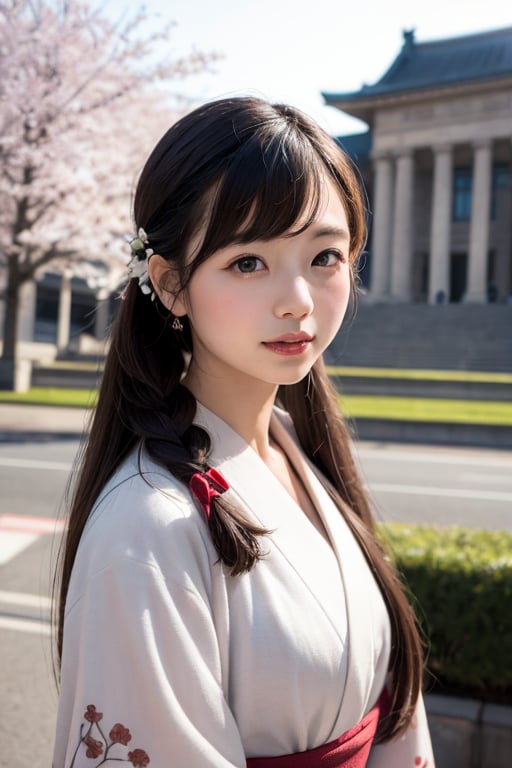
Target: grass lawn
428, 409
354, 406
80, 398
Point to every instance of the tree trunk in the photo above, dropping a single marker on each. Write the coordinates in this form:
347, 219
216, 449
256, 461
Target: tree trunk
15, 277
8, 361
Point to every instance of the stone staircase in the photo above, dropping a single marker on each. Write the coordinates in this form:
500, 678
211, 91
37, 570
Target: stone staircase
453, 337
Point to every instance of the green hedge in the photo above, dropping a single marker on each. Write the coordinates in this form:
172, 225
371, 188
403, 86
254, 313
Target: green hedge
460, 582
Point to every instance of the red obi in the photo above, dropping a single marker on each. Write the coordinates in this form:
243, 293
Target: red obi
350, 750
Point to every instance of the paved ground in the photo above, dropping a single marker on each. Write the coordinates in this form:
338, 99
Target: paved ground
41, 419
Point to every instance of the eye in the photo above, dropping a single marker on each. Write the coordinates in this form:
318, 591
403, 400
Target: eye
328, 258
247, 264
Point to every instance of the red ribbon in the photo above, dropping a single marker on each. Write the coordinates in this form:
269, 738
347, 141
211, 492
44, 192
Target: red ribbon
205, 486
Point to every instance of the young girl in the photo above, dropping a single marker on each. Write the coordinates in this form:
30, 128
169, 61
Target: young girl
224, 600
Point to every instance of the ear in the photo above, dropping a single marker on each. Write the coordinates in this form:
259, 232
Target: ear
166, 283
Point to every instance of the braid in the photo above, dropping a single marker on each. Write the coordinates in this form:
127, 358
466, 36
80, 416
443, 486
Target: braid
159, 410
184, 450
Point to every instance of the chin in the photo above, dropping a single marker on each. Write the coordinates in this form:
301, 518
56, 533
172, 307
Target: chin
292, 379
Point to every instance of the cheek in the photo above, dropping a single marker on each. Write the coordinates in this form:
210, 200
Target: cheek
337, 298
211, 307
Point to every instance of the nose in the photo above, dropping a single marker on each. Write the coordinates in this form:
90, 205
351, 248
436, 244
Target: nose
294, 299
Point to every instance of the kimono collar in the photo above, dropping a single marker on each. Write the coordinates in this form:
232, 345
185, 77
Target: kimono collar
303, 546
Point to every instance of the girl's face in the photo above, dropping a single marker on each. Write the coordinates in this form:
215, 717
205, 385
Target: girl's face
265, 311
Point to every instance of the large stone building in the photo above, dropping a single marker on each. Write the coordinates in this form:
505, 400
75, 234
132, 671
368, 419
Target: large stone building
437, 162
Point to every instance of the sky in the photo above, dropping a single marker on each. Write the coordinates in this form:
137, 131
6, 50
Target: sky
292, 50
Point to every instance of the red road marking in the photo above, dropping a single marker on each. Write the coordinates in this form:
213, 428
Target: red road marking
31, 524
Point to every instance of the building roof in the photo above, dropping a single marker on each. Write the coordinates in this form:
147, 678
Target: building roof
357, 146
460, 60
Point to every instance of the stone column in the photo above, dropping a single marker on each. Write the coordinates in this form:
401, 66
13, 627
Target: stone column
401, 252
381, 226
479, 227
64, 316
102, 316
440, 224
503, 277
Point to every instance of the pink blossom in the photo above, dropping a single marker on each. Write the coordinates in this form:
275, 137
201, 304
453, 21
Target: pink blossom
80, 111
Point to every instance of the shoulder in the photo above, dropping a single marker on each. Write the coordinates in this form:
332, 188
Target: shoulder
145, 516
142, 491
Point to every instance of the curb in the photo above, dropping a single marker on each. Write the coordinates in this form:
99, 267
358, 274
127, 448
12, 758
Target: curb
456, 390
436, 433
467, 733
41, 423
21, 436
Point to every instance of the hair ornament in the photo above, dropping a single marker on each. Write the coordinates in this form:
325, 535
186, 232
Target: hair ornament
138, 266
207, 485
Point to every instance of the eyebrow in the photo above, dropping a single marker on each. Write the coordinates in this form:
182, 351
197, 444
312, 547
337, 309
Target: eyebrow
329, 231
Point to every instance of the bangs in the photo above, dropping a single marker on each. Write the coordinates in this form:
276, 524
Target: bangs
270, 189
241, 170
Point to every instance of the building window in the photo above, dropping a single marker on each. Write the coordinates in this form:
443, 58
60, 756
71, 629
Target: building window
462, 182
500, 180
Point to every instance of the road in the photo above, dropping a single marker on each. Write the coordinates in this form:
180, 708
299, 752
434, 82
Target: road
417, 484
435, 485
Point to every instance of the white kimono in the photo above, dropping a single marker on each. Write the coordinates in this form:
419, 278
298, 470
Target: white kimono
169, 660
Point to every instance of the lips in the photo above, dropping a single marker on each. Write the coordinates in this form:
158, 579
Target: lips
289, 344
291, 338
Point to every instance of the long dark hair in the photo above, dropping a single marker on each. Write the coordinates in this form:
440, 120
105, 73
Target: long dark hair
238, 169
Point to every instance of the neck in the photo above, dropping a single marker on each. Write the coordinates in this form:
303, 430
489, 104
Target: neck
247, 409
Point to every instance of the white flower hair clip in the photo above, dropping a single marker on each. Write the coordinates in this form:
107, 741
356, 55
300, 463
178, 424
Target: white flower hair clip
138, 266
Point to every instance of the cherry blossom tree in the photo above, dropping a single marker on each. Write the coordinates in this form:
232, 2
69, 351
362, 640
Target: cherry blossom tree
82, 100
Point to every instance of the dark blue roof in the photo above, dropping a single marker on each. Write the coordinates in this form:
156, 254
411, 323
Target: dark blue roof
472, 58
357, 146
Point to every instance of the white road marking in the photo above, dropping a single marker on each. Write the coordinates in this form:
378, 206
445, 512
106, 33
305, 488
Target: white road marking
17, 532
439, 457
25, 600
480, 477
61, 466
14, 542
429, 490
31, 626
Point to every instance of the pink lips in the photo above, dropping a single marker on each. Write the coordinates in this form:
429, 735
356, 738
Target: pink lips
289, 343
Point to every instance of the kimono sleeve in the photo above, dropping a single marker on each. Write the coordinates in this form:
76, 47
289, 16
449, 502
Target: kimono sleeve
141, 679
411, 750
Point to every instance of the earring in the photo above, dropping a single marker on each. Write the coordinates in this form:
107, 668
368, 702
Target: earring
177, 325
